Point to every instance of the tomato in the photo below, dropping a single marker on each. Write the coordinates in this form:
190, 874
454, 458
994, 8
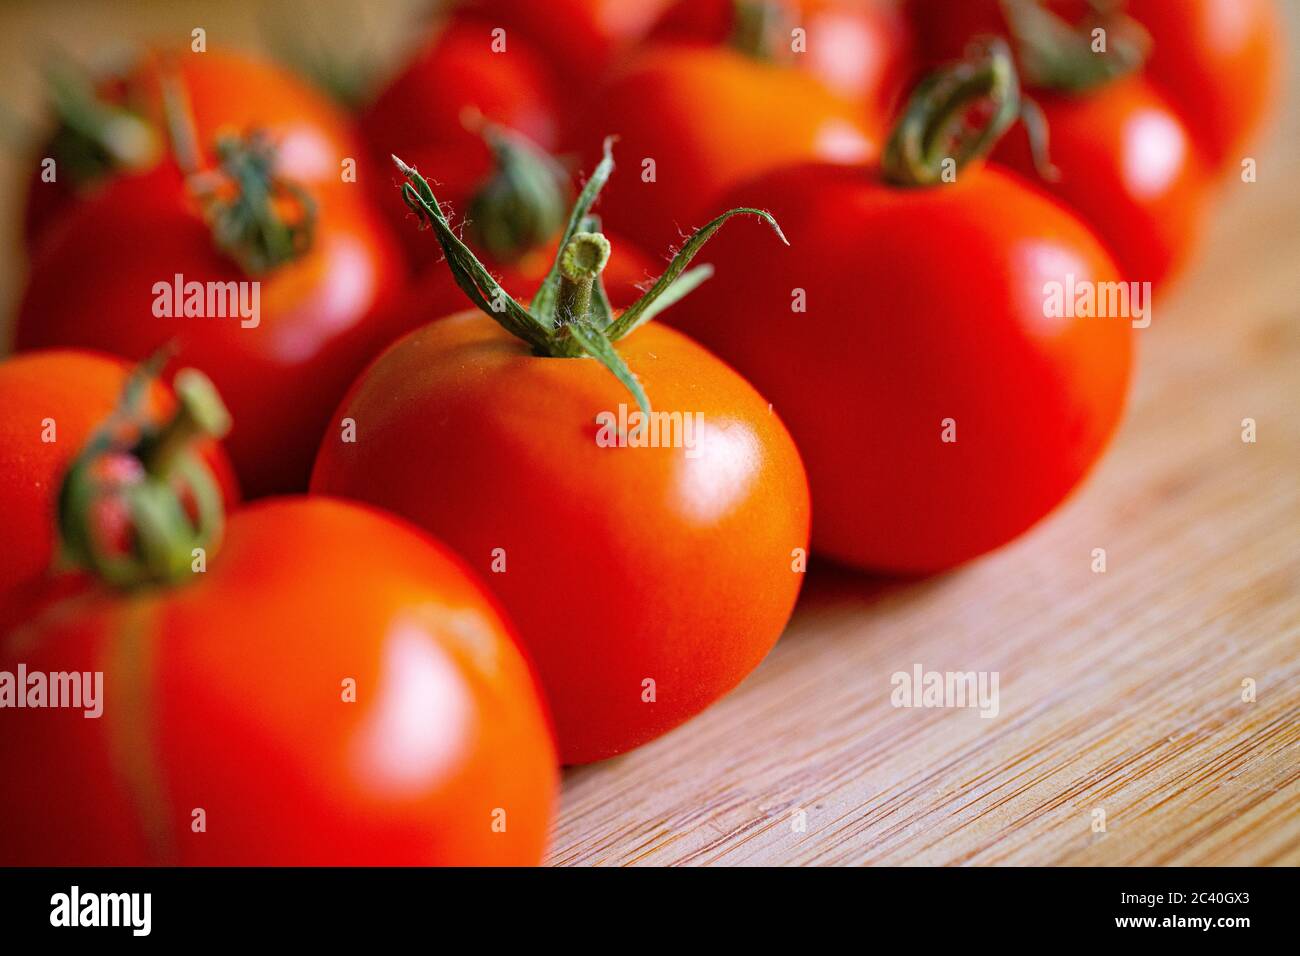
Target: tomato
1219, 62
225, 91
578, 37
696, 120
1127, 164
421, 114
99, 278
227, 735
860, 49
1123, 157
53, 401
941, 403
649, 570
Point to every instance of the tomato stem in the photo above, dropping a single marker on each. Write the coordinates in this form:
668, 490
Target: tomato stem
757, 27
940, 126
161, 530
1055, 54
522, 204
582, 260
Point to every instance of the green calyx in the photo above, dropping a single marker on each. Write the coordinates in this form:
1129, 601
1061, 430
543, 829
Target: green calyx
954, 116
1057, 55
522, 204
94, 138
151, 473
570, 316
760, 29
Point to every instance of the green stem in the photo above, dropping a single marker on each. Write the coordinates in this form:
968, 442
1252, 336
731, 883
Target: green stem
756, 26
1055, 54
937, 126
522, 204
582, 260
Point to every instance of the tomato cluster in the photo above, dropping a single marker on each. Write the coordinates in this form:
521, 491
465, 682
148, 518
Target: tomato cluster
339, 453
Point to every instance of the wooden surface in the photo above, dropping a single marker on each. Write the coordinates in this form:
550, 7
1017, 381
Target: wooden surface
1118, 691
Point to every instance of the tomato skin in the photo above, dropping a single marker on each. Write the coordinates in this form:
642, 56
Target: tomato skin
77, 390
1219, 62
226, 694
420, 116
859, 49
226, 92
900, 335
1129, 167
705, 116
622, 564
578, 37
91, 286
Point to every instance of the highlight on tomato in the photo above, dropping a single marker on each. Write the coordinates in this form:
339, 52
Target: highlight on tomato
53, 402
275, 289
1099, 135
933, 337
308, 683
697, 119
638, 508
858, 49
118, 125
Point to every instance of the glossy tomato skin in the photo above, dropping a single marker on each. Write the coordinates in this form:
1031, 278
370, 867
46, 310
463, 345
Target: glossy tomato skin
622, 565
71, 392
859, 49
923, 305
578, 37
320, 319
1129, 167
227, 695
1219, 62
420, 116
226, 92
709, 118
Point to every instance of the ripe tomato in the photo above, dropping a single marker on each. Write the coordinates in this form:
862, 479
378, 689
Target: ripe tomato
649, 569
1127, 164
227, 734
1124, 160
52, 403
97, 280
1219, 62
697, 120
122, 127
421, 114
860, 49
907, 339
578, 37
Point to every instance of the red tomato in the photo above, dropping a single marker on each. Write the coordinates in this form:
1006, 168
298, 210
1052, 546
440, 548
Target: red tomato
421, 114
1219, 62
225, 702
579, 37
860, 49
693, 121
226, 91
53, 402
621, 565
94, 283
1127, 165
924, 305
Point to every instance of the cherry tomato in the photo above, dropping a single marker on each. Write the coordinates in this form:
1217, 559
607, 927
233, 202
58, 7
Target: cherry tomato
578, 37
425, 113
860, 49
693, 121
1127, 164
1219, 62
621, 565
95, 283
53, 401
334, 689
224, 90
924, 321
